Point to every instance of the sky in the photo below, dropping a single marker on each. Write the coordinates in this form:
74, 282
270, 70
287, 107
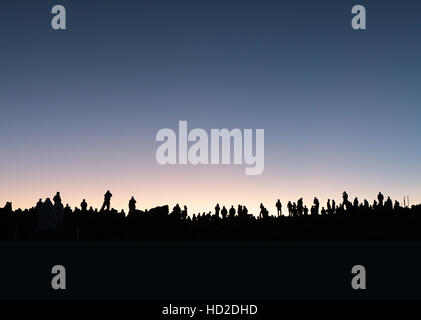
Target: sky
80, 108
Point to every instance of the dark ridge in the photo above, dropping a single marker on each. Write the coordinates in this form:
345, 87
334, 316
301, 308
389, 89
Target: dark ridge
357, 221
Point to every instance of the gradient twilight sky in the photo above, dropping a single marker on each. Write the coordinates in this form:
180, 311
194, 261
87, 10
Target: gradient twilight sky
80, 108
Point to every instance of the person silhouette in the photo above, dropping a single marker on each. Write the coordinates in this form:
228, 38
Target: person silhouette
300, 207
57, 198
356, 202
388, 204
224, 212
380, 197
47, 220
294, 209
316, 206
39, 204
333, 206
107, 201
240, 210
245, 211
289, 206
232, 212
176, 211
375, 205
217, 209
58, 209
264, 213
344, 197
132, 205
305, 211
346, 203
84, 205
279, 207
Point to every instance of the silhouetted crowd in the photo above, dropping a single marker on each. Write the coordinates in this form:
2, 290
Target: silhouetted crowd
51, 220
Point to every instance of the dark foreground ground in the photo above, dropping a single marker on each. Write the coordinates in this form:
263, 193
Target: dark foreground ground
159, 224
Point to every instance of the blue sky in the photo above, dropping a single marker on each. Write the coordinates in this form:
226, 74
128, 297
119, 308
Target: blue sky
80, 108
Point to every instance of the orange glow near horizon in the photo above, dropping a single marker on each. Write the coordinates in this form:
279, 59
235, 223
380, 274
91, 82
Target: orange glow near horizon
197, 187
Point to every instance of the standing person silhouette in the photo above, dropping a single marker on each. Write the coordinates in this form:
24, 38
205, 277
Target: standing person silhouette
294, 209
388, 204
107, 201
300, 207
240, 210
316, 206
344, 197
289, 205
58, 209
57, 199
232, 212
217, 209
224, 212
84, 205
132, 205
356, 202
279, 207
380, 197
